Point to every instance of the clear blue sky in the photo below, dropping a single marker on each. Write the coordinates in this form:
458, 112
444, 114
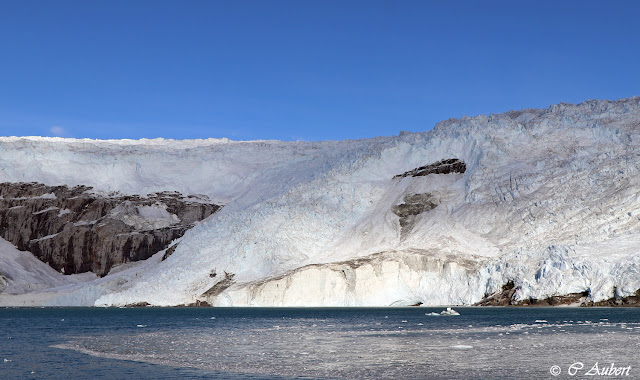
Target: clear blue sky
308, 70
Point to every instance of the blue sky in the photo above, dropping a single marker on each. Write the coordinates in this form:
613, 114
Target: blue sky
301, 70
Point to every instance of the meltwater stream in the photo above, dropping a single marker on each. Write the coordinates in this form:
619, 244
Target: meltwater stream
335, 343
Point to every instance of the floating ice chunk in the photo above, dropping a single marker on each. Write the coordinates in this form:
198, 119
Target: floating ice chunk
461, 347
449, 311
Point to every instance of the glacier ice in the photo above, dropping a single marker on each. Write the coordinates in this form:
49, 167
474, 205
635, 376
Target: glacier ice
549, 200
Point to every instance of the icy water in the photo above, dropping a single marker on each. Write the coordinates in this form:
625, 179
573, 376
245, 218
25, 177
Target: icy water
353, 343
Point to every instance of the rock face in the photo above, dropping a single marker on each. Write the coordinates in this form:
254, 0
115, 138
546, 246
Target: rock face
220, 286
4, 280
414, 204
76, 230
452, 165
506, 297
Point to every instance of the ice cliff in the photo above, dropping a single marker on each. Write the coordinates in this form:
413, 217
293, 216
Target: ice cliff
547, 200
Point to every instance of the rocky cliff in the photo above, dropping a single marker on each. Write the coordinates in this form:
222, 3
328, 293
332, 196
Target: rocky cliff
75, 229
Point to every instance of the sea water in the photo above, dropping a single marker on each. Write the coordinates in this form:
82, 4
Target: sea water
334, 343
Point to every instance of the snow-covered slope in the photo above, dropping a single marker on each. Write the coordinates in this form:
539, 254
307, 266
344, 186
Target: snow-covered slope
549, 199
21, 272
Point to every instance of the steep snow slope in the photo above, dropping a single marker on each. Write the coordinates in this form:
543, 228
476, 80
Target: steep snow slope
21, 272
549, 200
26, 281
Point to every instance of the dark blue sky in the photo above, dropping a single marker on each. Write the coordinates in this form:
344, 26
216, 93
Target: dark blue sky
310, 70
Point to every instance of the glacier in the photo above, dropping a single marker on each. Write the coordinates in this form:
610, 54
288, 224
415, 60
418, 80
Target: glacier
549, 200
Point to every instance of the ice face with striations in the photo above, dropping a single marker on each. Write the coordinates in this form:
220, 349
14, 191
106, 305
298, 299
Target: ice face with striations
546, 199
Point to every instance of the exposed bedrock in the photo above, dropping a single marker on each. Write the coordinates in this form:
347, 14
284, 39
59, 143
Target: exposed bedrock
506, 297
414, 205
77, 230
448, 166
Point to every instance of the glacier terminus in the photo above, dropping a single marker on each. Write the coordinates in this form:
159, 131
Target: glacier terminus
537, 206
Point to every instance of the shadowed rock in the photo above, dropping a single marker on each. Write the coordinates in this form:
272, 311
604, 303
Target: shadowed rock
414, 205
220, 286
452, 165
506, 297
169, 251
75, 230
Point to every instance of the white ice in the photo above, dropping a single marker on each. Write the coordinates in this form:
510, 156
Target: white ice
550, 200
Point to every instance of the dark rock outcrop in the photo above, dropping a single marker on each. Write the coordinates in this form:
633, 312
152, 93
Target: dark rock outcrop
414, 205
198, 303
76, 230
452, 165
633, 300
505, 297
220, 286
169, 251
5, 279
